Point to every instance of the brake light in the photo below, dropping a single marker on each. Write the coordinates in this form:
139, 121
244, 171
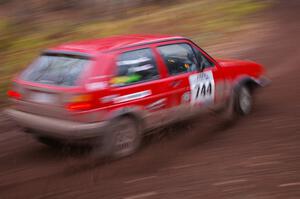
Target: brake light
79, 106
82, 103
14, 94
81, 98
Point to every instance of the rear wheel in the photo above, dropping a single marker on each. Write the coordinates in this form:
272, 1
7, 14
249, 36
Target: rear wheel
51, 142
122, 140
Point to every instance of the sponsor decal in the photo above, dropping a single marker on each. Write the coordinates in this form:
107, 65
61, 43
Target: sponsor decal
109, 98
140, 68
186, 97
134, 61
96, 86
132, 96
125, 79
157, 104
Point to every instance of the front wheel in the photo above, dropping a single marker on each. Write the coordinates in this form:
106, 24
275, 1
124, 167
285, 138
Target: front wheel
244, 101
239, 104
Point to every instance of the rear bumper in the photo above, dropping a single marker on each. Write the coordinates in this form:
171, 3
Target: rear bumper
45, 126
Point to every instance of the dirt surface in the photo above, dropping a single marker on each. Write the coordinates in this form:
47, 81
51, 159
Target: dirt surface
257, 158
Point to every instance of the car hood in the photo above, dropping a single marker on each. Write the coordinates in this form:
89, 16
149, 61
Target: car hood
234, 62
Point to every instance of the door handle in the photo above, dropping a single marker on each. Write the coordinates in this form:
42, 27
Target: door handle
175, 83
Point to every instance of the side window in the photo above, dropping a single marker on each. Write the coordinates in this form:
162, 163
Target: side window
179, 58
135, 66
202, 60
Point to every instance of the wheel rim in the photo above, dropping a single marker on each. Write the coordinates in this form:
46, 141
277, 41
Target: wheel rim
245, 100
125, 139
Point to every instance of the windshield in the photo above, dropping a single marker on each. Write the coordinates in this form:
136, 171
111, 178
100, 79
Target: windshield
56, 69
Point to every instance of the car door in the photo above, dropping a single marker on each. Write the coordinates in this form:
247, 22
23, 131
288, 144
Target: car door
208, 86
194, 79
136, 84
181, 63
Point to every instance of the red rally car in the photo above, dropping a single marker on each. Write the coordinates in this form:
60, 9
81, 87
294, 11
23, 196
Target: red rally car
109, 92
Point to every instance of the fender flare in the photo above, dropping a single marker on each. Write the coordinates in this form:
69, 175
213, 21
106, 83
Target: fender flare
251, 82
135, 112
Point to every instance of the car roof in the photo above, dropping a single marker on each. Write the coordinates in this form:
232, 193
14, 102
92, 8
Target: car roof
94, 46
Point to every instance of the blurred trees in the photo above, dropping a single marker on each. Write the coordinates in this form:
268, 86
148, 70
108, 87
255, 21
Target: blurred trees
35, 9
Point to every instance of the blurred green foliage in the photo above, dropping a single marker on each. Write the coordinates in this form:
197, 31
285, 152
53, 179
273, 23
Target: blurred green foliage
205, 21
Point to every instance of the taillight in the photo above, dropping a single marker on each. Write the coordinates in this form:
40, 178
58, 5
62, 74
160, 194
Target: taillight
14, 94
81, 98
82, 103
80, 106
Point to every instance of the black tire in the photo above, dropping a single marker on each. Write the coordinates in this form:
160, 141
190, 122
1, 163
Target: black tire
122, 139
235, 106
243, 101
51, 142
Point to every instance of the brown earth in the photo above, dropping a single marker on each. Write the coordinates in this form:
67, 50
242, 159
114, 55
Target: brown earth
257, 158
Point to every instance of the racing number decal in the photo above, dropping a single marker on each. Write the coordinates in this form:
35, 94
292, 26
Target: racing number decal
202, 87
202, 90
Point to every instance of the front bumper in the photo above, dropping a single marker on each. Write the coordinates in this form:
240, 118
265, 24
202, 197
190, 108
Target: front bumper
45, 126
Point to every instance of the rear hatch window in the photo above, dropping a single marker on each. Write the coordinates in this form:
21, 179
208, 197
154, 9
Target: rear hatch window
56, 69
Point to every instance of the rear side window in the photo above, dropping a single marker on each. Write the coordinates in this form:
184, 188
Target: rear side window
135, 66
56, 70
179, 58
